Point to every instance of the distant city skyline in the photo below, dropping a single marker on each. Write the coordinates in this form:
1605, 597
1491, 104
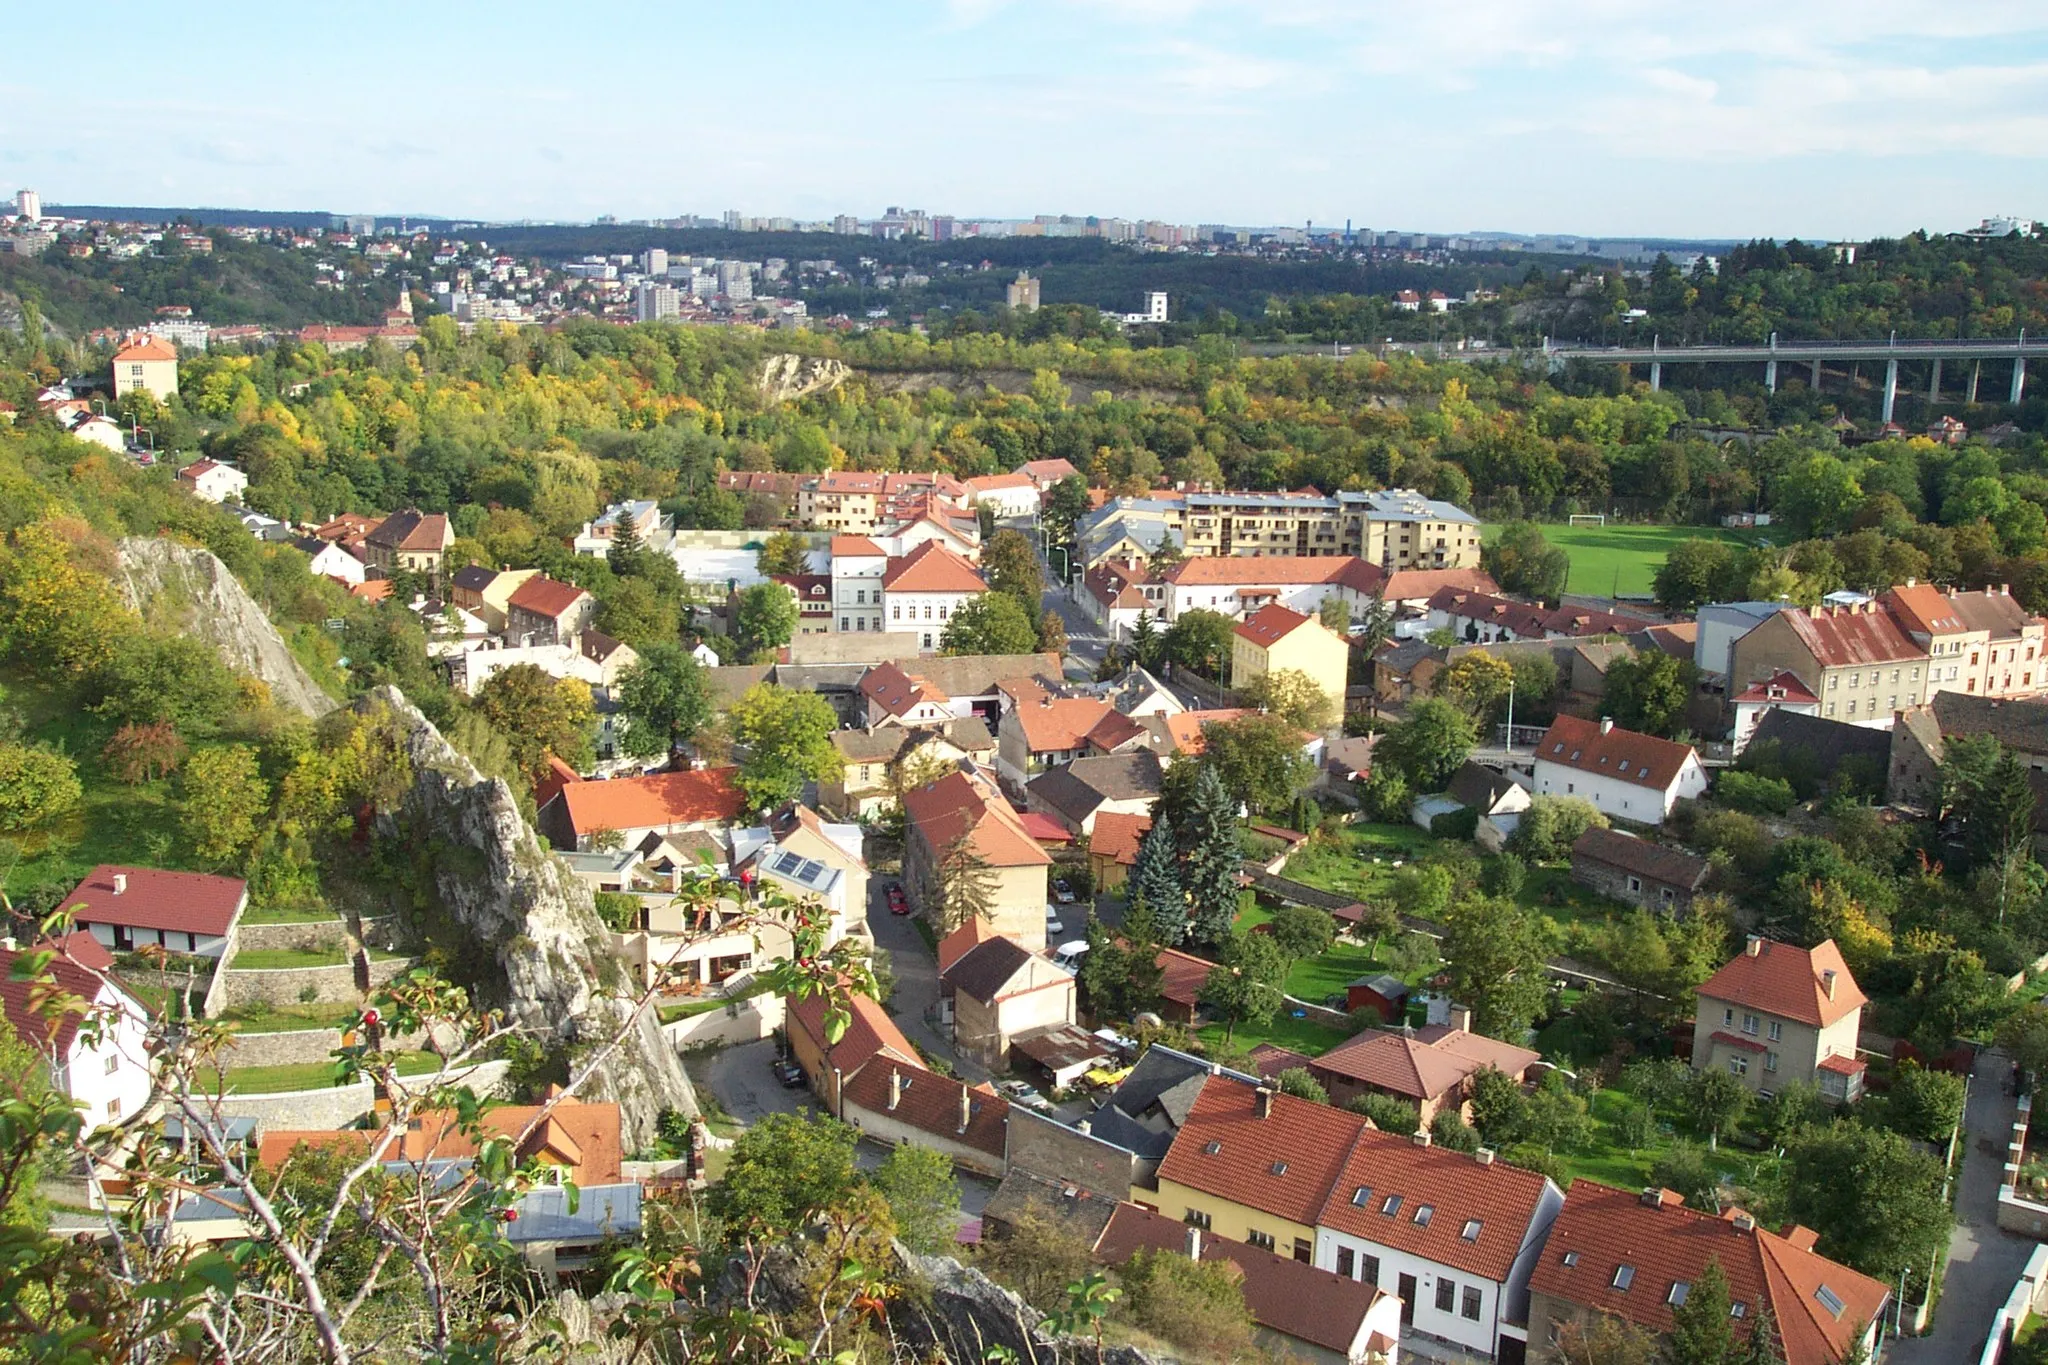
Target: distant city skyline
1595, 118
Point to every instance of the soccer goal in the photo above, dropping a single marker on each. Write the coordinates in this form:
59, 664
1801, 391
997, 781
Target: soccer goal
1588, 519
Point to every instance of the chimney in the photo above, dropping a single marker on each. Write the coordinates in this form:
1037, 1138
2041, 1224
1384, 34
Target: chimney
1912, 582
1461, 1018
1744, 1223
1046, 701
1656, 1197
1827, 982
1194, 1243
1755, 945
1420, 1137
120, 882
966, 1107
1484, 1156
1606, 724
895, 1089
1262, 1102
1084, 1127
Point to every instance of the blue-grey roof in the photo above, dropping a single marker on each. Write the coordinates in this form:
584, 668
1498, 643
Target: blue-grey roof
1755, 610
1404, 504
601, 1211
1282, 500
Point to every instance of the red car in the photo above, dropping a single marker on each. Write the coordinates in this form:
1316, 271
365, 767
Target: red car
898, 903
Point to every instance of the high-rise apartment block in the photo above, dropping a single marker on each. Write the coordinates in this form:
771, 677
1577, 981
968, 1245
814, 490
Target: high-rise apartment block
654, 262
654, 302
28, 204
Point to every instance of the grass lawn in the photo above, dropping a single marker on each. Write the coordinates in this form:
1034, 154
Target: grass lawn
668, 1014
1283, 1030
1610, 1163
289, 1018
1615, 559
1346, 865
292, 914
274, 959
264, 1080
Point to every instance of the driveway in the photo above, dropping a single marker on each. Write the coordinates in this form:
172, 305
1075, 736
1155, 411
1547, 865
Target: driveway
746, 1089
915, 1005
1983, 1259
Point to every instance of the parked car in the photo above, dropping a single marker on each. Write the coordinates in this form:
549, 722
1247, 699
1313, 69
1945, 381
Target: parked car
789, 1073
1053, 928
899, 904
1063, 891
1022, 1092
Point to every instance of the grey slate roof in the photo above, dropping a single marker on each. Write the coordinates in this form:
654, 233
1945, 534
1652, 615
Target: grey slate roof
1650, 861
1077, 789
1828, 742
2021, 725
1479, 787
986, 968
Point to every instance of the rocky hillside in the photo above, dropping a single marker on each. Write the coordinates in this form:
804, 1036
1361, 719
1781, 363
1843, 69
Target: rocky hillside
524, 923
785, 378
185, 588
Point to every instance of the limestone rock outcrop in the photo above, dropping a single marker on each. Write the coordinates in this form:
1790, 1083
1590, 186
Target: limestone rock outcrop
524, 928
187, 589
788, 377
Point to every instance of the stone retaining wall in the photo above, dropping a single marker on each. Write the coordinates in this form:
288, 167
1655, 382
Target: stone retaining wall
295, 1047
316, 935
287, 985
336, 1106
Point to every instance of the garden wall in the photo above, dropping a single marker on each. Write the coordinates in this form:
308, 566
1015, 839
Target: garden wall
315, 935
2029, 1298
744, 1021
295, 1047
287, 985
2017, 1214
336, 1106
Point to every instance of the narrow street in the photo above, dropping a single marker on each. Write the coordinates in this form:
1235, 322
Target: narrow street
1983, 1260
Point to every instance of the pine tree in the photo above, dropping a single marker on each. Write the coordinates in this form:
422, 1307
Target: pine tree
1213, 861
967, 885
627, 549
1762, 1348
1146, 645
1701, 1330
1155, 881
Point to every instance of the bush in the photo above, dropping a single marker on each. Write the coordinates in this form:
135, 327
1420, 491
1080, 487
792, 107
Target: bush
1386, 797
1684, 1168
1387, 1113
1449, 1130
618, 910
1503, 876
1297, 1081
1551, 825
1754, 794
37, 786
1196, 1306
1459, 824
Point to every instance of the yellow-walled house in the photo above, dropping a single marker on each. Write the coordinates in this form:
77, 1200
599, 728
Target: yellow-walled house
1276, 637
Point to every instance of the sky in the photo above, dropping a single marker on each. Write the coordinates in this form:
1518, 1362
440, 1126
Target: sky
1611, 118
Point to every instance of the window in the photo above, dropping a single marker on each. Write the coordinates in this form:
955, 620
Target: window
1750, 1024
1895, 675
1361, 1196
1423, 1213
1831, 708
1738, 1309
1279, 1168
1854, 679
1446, 1296
1392, 1207
1211, 1148
1624, 1276
1571, 1258
1369, 1269
1468, 1303
1830, 1300
896, 612
113, 1064
1679, 1289
1262, 1240
114, 1112
1728, 1018
1777, 1030
845, 624
1635, 884
1832, 681
1770, 1061
1304, 1250
1471, 1231
1347, 1263
1195, 1218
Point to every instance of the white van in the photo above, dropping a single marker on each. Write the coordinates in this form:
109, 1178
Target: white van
1067, 957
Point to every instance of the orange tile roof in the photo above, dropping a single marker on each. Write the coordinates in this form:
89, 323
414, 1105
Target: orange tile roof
1422, 1067
546, 597
1114, 729
856, 547
371, 589
989, 483
898, 692
1602, 1229
1225, 570
956, 807
1182, 975
145, 348
558, 776
706, 796
931, 567
1186, 729
583, 1137
869, 1030
1270, 624
1788, 981
1922, 607
931, 1103
1638, 759
23, 1003
1052, 724
1284, 1164
1117, 837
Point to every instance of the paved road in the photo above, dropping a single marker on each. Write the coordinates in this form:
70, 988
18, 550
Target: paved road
1983, 1260
747, 1090
916, 1001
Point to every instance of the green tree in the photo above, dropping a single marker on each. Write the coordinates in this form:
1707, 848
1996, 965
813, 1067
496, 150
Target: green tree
1155, 881
1649, 692
1011, 566
1052, 632
785, 553
923, 1196
1245, 986
1817, 497
635, 611
538, 715
1209, 871
664, 700
224, 795
1521, 561
1298, 1082
788, 740
1429, 746
763, 619
1477, 682
1335, 614
1716, 1102
992, 623
628, 554
1635, 1125
1200, 641
1423, 891
1498, 1105
1702, 1333
1121, 970
1556, 1118
1197, 1306
1683, 1167
1605, 1340
1450, 1131
1388, 1113
1386, 796
1494, 953
1302, 931
1292, 696
1066, 502
1876, 1201
1998, 824
1148, 648
178, 679
1551, 825
1259, 760
1694, 573
966, 885
37, 787
784, 1170
1924, 1104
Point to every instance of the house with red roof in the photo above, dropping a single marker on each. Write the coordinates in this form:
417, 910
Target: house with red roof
544, 611
1120, 592
966, 850
1277, 639
1453, 1236
1636, 1256
1238, 585
921, 590
412, 540
1113, 848
1980, 641
635, 807
214, 481
998, 991
1431, 1068
1181, 978
1042, 731
1006, 495
104, 1070
1625, 774
1781, 1013
870, 1033
146, 364
901, 1103
127, 908
1046, 473
1861, 661
1782, 691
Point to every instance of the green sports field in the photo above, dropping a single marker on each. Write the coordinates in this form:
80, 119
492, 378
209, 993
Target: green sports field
1615, 560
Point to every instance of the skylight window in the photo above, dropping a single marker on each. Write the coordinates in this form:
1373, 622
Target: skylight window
1738, 1309
1829, 1300
1361, 1196
1571, 1258
1279, 1168
1624, 1276
1679, 1289
1423, 1213
1471, 1232
1392, 1207
1212, 1148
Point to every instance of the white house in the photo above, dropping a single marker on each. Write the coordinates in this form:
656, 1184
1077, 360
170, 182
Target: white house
1006, 495
857, 568
1626, 775
108, 1075
212, 480
105, 433
1782, 691
330, 560
925, 587
126, 908
1239, 585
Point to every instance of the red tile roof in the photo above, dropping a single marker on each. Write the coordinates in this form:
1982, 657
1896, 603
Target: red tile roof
897, 692
1182, 976
931, 1103
185, 902
1269, 625
1117, 837
1053, 724
546, 597
144, 348
931, 567
1285, 1164
1784, 685
989, 483
82, 948
956, 807
583, 1136
869, 1030
1284, 1295
1421, 1068
972, 933
1788, 981
856, 547
21, 1002
1230, 570
1602, 1229
1923, 608
702, 797
1847, 1066
1044, 828
1638, 759
558, 776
